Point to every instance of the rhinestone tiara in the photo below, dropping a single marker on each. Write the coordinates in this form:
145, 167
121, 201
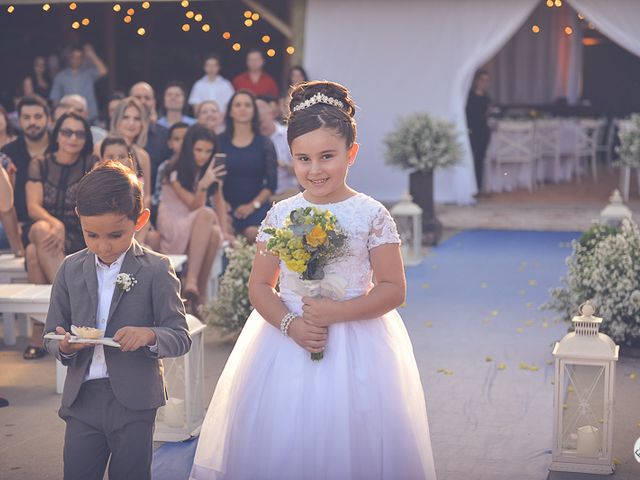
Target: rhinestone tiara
318, 98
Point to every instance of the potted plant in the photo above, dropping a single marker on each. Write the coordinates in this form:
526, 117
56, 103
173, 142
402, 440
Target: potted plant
422, 144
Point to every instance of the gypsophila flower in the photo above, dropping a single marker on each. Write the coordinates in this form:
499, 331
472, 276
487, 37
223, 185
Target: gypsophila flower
629, 148
125, 281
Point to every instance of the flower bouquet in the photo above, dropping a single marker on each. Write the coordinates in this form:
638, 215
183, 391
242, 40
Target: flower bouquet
308, 241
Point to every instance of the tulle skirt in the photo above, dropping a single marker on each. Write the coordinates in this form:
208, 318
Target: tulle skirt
359, 413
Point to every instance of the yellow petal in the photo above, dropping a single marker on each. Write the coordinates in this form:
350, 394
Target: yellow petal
632, 376
494, 313
529, 305
616, 461
440, 370
404, 304
502, 366
570, 388
425, 285
533, 368
428, 324
524, 366
519, 329
545, 325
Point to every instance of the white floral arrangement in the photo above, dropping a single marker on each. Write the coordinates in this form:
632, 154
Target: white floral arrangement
605, 268
420, 142
231, 307
629, 148
125, 281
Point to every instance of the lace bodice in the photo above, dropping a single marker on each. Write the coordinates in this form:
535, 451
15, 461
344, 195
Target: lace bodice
367, 224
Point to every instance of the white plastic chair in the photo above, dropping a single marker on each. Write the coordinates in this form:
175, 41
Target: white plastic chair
587, 145
513, 144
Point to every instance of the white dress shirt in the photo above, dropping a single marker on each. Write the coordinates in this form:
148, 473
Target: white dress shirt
106, 285
220, 90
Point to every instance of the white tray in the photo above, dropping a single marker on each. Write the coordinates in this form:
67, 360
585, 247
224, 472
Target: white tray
110, 342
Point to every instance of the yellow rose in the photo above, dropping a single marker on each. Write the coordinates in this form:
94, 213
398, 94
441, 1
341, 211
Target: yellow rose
317, 236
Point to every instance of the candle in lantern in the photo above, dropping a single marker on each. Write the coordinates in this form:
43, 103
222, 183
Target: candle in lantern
588, 441
174, 412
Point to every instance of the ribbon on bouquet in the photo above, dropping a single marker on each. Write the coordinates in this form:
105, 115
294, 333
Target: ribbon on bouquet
332, 285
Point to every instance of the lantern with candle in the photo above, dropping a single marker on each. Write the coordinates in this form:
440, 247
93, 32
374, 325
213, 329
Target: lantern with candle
408, 218
583, 400
182, 416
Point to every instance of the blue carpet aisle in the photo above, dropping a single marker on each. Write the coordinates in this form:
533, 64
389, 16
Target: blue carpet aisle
483, 348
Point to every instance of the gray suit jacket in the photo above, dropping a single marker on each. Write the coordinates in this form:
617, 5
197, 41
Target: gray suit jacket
136, 377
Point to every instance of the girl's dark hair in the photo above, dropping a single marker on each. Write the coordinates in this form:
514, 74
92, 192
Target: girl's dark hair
255, 126
185, 164
322, 115
11, 131
114, 140
87, 150
109, 188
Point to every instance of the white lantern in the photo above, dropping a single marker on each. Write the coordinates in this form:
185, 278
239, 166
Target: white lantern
583, 400
182, 416
615, 212
408, 217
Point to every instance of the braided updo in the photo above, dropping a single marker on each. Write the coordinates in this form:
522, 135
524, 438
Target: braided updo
321, 115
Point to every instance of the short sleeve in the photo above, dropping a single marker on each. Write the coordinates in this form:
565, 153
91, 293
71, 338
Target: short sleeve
383, 229
270, 221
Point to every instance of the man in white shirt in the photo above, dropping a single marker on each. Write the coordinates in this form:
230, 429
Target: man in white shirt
287, 182
212, 86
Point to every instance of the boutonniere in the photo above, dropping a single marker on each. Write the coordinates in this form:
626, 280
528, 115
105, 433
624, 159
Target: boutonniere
125, 281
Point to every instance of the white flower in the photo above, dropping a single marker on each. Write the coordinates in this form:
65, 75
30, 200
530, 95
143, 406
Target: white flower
125, 281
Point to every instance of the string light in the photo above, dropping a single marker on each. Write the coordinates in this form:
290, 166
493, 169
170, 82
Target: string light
85, 21
591, 26
236, 47
206, 27
75, 25
558, 3
271, 52
117, 7
10, 9
580, 16
141, 31
255, 17
247, 14
184, 3
127, 19
146, 6
568, 30
226, 35
266, 39
186, 27
291, 50
189, 14
46, 7
198, 17
535, 29
73, 6
131, 11
248, 22
549, 3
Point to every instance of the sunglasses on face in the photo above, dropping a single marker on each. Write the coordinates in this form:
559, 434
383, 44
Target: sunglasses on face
68, 133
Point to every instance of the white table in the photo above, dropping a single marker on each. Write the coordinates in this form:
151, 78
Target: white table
12, 269
27, 298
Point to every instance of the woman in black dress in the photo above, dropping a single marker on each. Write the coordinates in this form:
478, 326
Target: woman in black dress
477, 113
38, 81
252, 168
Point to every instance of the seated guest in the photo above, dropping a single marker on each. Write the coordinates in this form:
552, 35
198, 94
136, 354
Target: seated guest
77, 103
114, 99
252, 168
174, 101
51, 201
185, 223
212, 86
277, 133
38, 81
209, 115
157, 135
33, 118
7, 132
176, 137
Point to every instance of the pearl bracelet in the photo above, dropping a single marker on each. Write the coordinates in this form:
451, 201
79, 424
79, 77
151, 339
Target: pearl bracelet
285, 322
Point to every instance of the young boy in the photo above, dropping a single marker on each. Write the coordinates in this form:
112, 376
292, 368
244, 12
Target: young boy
111, 394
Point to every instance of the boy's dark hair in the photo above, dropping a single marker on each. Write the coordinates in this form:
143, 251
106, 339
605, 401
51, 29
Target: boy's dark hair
321, 115
109, 188
31, 101
177, 125
87, 150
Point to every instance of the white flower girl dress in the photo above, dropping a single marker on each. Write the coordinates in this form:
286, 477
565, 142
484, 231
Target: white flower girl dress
358, 414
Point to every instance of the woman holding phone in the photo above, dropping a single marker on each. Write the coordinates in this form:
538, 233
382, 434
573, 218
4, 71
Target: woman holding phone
186, 222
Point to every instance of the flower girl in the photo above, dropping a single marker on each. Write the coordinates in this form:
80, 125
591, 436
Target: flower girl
359, 412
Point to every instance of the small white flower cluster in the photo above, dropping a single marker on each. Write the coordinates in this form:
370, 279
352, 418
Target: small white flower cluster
125, 281
230, 308
420, 142
318, 98
605, 268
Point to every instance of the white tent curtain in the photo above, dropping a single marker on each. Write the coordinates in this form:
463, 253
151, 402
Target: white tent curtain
540, 67
617, 19
405, 56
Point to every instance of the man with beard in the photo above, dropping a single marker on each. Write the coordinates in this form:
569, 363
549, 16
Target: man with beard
33, 118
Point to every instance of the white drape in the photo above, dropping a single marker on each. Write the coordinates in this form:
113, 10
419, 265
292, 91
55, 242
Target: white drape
617, 19
405, 56
539, 67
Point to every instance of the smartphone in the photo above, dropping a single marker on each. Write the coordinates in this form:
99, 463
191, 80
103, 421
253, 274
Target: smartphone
220, 159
